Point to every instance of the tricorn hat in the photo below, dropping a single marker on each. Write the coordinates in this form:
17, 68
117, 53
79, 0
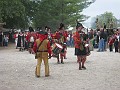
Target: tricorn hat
46, 27
31, 29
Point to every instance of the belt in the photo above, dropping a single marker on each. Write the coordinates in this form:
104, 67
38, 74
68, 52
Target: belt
43, 51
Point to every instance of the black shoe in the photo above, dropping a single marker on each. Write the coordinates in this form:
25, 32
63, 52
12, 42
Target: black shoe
37, 76
80, 68
62, 62
83, 67
47, 75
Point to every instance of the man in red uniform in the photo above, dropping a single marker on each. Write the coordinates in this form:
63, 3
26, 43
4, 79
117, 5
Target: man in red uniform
30, 38
43, 51
65, 40
80, 50
61, 36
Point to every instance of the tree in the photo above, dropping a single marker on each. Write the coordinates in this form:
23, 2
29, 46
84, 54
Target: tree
20, 13
53, 12
108, 19
12, 11
16, 13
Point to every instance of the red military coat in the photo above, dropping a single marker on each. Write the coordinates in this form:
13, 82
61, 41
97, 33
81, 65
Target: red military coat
77, 40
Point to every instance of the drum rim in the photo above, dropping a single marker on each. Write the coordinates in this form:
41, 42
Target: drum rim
60, 46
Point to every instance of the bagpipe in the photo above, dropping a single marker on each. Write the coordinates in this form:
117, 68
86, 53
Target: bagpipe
84, 45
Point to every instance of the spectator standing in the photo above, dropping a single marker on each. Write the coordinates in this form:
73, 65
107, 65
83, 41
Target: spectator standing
116, 45
6, 40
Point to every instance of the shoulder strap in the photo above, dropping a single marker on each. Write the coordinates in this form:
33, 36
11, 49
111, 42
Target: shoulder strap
39, 45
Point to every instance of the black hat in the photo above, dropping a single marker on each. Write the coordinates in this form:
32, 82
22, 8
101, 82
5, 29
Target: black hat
39, 28
46, 27
31, 29
79, 25
43, 33
61, 26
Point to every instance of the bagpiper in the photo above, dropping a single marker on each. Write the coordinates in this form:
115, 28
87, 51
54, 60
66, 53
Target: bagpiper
80, 48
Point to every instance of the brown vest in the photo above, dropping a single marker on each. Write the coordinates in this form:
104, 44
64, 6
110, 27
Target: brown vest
42, 48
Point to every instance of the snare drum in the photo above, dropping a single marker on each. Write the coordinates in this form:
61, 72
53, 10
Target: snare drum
56, 49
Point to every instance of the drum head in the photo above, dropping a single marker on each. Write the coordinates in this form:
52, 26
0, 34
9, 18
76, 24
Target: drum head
86, 45
58, 45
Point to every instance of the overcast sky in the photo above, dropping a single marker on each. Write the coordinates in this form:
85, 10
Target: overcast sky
101, 6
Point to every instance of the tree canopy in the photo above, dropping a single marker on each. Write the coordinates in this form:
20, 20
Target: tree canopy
22, 13
107, 18
53, 12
